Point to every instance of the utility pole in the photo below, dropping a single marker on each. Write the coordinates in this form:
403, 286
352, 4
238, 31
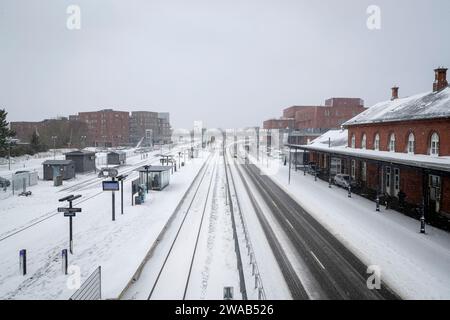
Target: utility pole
54, 146
121, 178
289, 182
9, 154
146, 167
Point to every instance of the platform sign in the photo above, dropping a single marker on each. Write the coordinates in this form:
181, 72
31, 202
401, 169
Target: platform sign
111, 186
69, 210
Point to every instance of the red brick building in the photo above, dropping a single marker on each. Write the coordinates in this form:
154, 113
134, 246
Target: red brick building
305, 123
107, 128
281, 124
331, 116
399, 149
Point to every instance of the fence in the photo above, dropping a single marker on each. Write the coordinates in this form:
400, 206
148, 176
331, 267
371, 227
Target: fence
91, 289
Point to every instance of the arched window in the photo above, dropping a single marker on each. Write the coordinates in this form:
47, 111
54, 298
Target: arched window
353, 141
376, 143
392, 143
434, 150
411, 143
364, 141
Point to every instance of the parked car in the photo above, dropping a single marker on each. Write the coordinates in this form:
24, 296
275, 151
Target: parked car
4, 183
343, 180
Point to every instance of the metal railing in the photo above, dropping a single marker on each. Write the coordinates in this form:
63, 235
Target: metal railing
91, 289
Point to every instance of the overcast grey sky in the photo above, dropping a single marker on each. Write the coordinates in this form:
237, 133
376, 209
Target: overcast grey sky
230, 63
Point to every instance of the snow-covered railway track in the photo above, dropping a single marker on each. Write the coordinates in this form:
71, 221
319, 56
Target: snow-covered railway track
74, 188
173, 278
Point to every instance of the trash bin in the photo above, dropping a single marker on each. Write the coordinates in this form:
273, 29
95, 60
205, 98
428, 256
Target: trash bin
57, 181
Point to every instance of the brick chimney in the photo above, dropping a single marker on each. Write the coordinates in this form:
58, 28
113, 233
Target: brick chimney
394, 93
440, 81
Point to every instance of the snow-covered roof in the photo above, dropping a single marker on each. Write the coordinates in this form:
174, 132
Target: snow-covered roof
79, 153
430, 105
415, 160
333, 138
155, 169
57, 162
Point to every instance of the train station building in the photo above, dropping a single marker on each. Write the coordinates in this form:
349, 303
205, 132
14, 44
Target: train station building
398, 149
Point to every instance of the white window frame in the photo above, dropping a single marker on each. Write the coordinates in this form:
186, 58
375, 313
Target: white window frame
411, 143
392, 142
353, 141
353, 169
396, 181
376, 143
434, 144
364, 142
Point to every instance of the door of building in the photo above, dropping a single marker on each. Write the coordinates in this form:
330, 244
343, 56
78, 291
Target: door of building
396, 181
434, 189
387, 180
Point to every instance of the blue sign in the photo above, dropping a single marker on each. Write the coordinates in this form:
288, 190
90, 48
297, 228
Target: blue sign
111, 186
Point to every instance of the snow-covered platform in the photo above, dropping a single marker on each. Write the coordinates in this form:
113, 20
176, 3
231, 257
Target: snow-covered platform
416, 266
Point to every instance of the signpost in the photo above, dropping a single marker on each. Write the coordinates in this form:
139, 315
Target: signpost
112, 186
70, 212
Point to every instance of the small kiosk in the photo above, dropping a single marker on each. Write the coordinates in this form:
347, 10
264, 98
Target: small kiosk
63, 168
84, 160
155, 177
117, 158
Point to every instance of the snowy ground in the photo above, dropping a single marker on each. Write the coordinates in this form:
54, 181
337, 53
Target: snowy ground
416, 266
273, 283
117, 246
178, 268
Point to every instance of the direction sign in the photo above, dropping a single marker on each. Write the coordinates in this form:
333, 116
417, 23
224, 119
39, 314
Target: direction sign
110, 186
69, 210
69, 214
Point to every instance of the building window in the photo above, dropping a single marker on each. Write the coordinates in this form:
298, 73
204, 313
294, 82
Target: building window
376, 143
353, 141
364, 171
411, 143
353, 171
396, 181
364, 142
434, 144
392, 143
388, 180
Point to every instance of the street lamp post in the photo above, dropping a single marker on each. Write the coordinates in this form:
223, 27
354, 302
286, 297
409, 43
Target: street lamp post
121, 178
9, 155
146, 167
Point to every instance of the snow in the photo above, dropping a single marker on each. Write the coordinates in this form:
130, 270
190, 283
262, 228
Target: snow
428, 105
214, 265
339, 145
416, 266
274, 285
420, 160
118, 247
332, 138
